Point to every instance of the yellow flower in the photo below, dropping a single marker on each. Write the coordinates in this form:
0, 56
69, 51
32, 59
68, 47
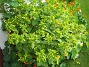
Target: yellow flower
58, 56
77, 62
86, 32
81, 44
66, 53
78, 9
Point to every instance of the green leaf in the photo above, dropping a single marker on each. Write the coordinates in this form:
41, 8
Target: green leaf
78, 48
5, 51
45, 64
14, 3
34, 22
87, 44
25, 48
32, 45
13, 55
63, 64
29, 28
53, 65
7, 15
29, 65
19, 46
7, 57
68, 57
5, 0
6, 44
74, 54
16, 64
28, 21
6, 64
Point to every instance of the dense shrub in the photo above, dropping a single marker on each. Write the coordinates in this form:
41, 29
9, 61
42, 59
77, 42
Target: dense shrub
42, 33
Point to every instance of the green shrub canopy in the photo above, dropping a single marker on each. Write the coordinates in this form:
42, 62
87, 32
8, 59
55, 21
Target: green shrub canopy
50, 31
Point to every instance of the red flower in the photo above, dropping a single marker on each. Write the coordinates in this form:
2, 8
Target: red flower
69, 4
25, 63
56, 5
34, 66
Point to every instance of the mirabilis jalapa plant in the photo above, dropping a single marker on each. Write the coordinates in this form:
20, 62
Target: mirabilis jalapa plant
43, 33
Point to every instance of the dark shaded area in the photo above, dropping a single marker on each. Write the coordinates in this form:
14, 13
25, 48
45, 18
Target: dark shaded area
1, 58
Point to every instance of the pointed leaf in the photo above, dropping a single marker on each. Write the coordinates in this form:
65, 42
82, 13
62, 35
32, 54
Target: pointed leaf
29, 28
34, 22
14, 3
63, 64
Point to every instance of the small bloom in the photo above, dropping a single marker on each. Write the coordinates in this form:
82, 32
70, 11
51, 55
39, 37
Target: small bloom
80, 33
6, 4
43, 1
78, 62
69, 4
56, 5
37, 5
31, 18
86, 32
27, 1
34, 66
81, 44
73, 11
8, 9
25, 63
78, 9
73, 3
66, 53
58, 56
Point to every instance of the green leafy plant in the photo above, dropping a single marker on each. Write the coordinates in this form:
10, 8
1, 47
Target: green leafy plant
10, 57
42, 34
